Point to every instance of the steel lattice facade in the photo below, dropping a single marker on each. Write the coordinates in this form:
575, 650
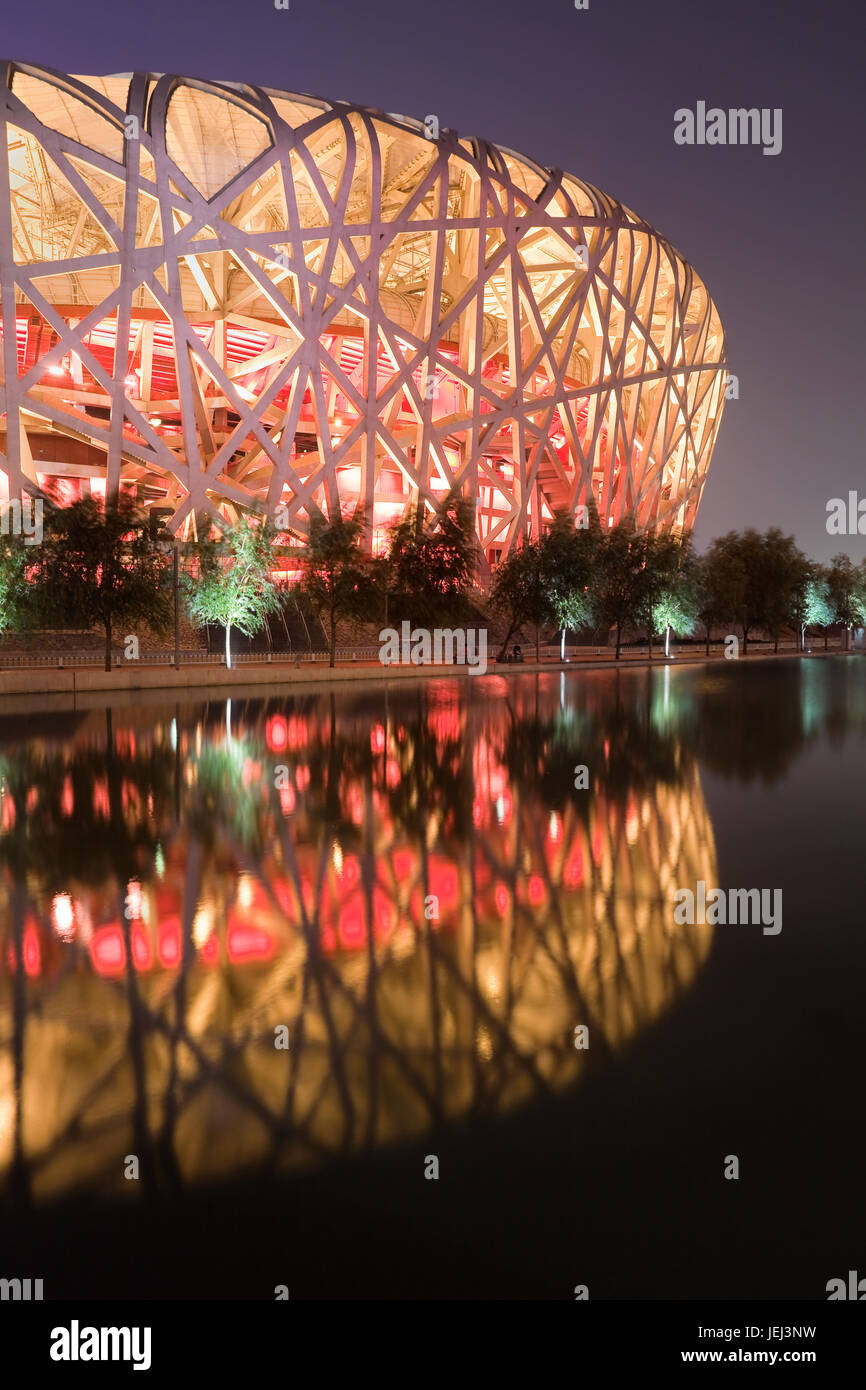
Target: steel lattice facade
225, 297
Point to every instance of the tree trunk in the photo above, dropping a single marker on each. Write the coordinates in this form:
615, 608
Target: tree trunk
650, 641
618, 639
776, 645
228, 646
537, 644
107, 626
668, 640
504, 649
708, 640
562, 647
333, 646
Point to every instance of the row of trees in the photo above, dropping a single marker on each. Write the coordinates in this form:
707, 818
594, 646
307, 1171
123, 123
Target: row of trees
113, 568
619, 579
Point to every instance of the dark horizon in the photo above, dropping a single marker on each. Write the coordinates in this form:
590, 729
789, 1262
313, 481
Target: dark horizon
594, 92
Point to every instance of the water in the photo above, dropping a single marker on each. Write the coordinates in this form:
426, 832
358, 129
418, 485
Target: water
275, 956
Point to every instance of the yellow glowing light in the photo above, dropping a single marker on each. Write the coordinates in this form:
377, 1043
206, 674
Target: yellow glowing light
63, 916
202, 924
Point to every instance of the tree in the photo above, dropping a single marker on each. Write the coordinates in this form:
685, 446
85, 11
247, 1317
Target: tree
817, 608
567, 560
337, 579
750, 579
618, 580
846, 584
676, 609
230, 581
717, 583
518, 591
659, 579
14, 564
101, 567
784, 573
743, 551
431, 567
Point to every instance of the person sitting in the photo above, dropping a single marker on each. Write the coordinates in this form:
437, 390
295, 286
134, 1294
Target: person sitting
517, 654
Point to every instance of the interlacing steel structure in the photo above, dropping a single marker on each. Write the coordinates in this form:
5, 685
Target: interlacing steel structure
227, 298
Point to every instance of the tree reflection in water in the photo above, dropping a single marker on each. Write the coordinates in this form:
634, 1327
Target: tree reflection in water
173, 889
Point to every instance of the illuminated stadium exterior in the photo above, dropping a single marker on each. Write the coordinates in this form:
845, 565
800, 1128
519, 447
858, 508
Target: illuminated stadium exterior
322, 309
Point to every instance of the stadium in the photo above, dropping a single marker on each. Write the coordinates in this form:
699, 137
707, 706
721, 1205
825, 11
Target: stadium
225, 298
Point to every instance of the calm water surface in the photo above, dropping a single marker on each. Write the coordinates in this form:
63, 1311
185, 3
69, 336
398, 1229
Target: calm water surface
285, 949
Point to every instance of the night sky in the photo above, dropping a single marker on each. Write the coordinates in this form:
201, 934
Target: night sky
777, 240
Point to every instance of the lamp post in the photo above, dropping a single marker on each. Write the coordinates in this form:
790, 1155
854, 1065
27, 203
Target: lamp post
387, 573
172, 541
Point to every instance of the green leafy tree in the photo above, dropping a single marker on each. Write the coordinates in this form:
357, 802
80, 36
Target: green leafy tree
785, 571
618, 583
817, 607
751, 580
229, 579
567, 556
519, 593
733, 597
846, 584
677, 607
15, 561
101, 567
659, 582
338, 579
430, 567
717, 585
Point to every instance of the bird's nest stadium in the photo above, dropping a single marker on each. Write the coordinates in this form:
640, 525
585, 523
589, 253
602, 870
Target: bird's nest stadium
225, 298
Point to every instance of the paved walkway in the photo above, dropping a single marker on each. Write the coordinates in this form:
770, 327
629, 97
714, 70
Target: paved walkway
82, 681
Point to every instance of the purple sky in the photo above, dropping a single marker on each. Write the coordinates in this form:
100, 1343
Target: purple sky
777, 240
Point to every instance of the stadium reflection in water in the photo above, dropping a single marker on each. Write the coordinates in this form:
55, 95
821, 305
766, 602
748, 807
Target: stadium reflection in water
410, 884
